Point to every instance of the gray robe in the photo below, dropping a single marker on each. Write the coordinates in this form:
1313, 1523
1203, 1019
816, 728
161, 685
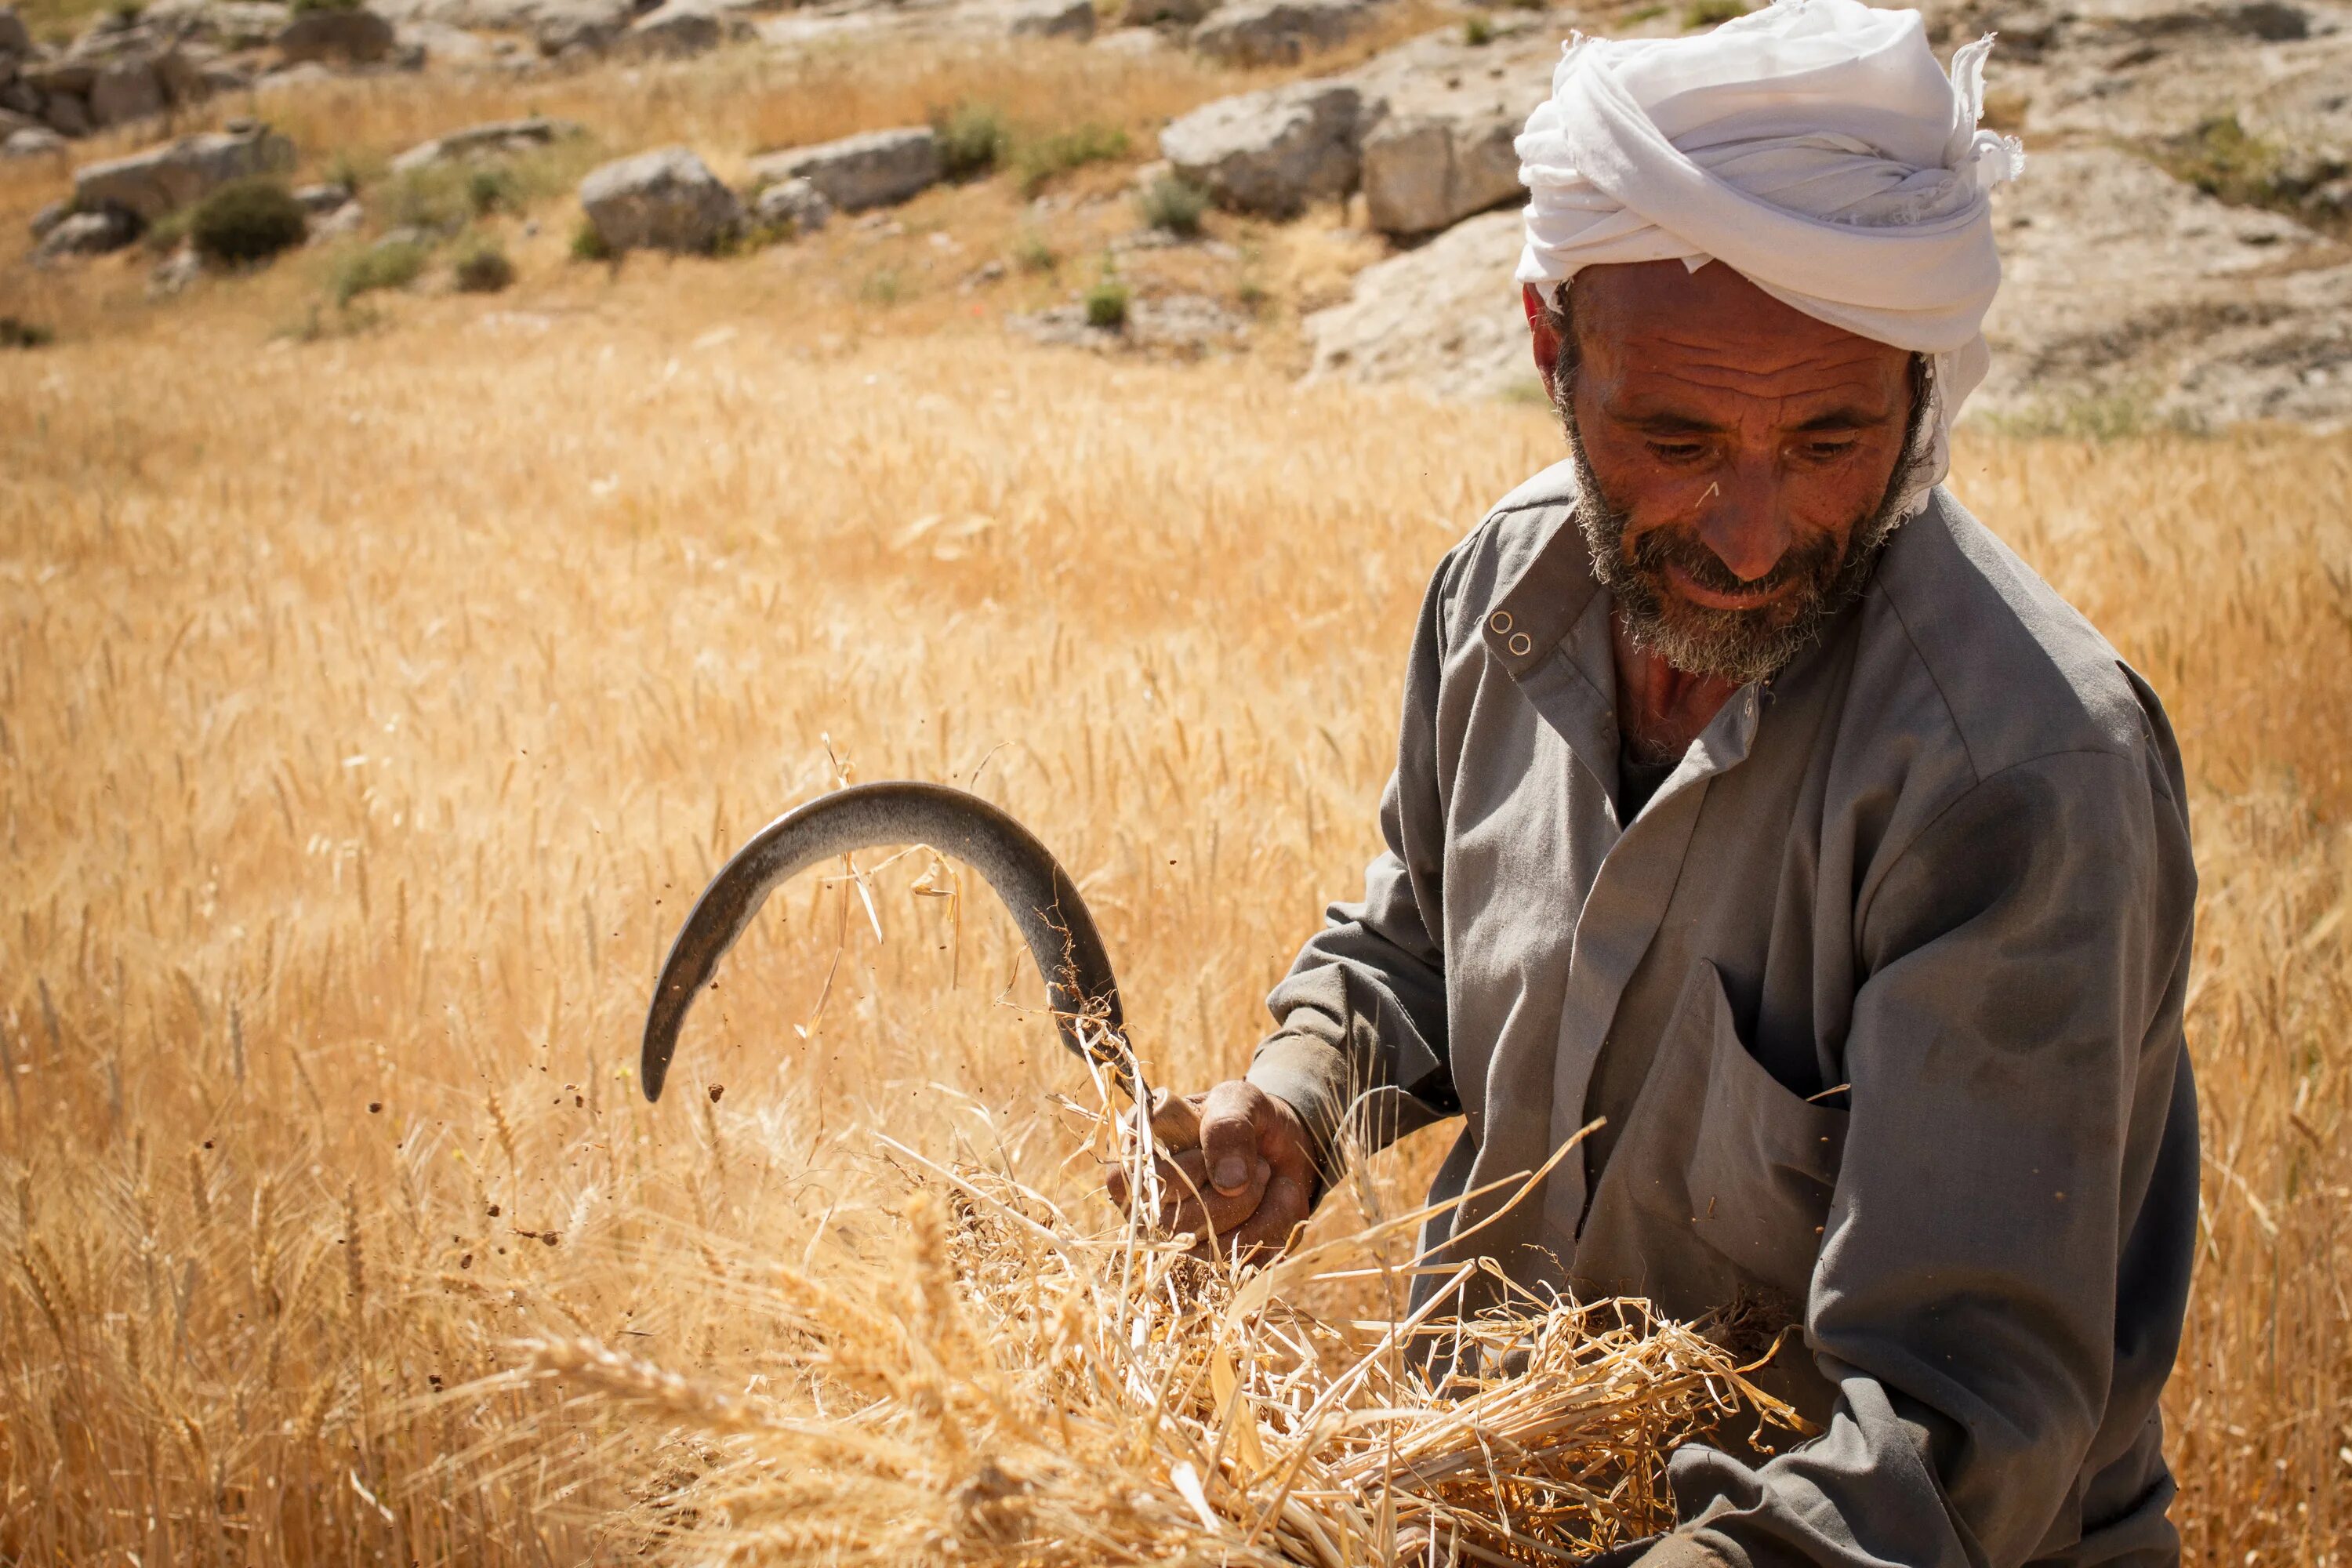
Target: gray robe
1880, 993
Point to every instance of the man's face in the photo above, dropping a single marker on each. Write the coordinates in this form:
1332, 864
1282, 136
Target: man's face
1739, 460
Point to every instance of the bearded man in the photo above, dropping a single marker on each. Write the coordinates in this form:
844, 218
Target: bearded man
1754, 800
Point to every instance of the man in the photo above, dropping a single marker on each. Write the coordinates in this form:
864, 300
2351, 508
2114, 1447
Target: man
1752, 796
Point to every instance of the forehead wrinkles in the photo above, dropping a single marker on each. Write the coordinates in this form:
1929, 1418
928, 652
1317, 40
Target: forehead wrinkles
1775, 371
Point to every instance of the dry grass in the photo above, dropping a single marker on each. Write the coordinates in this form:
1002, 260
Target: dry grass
370, 708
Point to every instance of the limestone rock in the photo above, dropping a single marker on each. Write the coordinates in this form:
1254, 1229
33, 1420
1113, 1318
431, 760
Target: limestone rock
1271, 152
680, 30
794, 204
163, 179
1279, 31
48, 217
40, 141
341, 224
356, 36
1444, 320
496, 138
321, 199
1440, 115
580, 25
880, 168
1073, 19
2128, 295
87, 234
174, 273
663, 200
126, 91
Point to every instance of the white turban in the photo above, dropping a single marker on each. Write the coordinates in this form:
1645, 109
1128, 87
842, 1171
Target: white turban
1814, 146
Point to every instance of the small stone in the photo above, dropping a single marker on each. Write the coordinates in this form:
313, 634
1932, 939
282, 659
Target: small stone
174, 273
39, 142
795, 203
87, 234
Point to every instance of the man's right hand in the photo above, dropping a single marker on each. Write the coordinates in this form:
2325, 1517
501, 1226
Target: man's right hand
1242, 1170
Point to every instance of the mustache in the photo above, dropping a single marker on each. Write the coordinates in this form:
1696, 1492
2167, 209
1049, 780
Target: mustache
1652, 552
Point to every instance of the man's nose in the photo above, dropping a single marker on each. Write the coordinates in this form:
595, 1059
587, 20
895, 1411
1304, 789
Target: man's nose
1743, 523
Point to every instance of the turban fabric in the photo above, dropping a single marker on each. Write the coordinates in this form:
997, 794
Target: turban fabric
1814, 146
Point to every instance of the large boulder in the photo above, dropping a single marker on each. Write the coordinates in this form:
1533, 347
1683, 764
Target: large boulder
163, 179
125, 91
664, 200
16, 38
880, 168
1279, 31
1439, 118
335, 36
1444, 320
493, 139
1072, 19
681, 29
577, 27
1270, 152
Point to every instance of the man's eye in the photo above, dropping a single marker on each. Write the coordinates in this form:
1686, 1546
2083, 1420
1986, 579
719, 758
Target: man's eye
1678, 451
1826, 451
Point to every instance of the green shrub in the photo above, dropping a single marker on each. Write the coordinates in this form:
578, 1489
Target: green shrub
972, 140
1477, 31
390, 265
483, 268
246, 221
1107, 304
2223, 158
1173, 205
588, 244
883, 287
18, 334
303, 7
1709, 13
1047, 157
1031, 254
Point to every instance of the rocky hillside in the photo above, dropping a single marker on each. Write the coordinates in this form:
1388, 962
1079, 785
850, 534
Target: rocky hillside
2177, 252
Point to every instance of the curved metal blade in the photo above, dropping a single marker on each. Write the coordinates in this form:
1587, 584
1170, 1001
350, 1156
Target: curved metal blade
1044, 904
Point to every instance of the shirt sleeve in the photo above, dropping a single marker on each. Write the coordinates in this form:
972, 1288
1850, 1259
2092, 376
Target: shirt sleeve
1360, 1035
2012, 1055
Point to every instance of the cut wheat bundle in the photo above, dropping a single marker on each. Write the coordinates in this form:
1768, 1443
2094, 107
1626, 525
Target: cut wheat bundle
1020, 1392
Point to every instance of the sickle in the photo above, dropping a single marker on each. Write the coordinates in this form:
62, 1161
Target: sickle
1044, 902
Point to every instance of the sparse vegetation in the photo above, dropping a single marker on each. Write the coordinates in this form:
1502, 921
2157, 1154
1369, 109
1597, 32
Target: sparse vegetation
885, 287
1710, 13
246, 222
1173, 205
2222, 158
588, 243
1031, 254
1107, 304
15, 332
481, 267
1039, 161
972, 140
387, 264
300, 7
1477, 31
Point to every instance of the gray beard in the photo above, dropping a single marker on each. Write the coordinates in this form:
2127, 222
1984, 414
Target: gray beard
1737, 646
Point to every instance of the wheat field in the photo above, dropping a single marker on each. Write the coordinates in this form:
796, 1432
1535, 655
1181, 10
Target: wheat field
371, 708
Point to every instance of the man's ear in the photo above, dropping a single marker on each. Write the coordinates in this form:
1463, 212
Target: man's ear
1543, 340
